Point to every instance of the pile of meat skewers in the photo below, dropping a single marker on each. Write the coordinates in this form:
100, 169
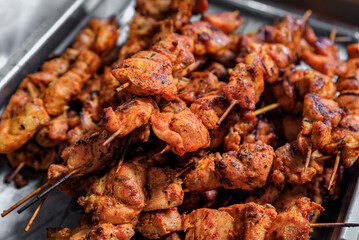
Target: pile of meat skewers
157, 137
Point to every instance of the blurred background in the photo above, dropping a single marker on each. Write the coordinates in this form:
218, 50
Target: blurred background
20, 18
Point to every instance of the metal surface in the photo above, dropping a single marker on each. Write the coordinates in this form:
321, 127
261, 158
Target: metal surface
50, 38
61, 211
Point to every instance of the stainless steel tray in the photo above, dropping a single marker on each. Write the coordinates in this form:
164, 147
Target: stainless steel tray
61, 211
51, 38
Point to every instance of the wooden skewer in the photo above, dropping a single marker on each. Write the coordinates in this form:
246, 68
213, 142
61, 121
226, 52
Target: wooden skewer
15, 172
306, 16
323, 158
6, 212
229, 109
166, 149
257, 112
343, 39
333, 33
112, 137
266, 109
123, 86
35, 214
307, 160
41, 195
120, 163
320, 225
335, 169
184, 169
230, 197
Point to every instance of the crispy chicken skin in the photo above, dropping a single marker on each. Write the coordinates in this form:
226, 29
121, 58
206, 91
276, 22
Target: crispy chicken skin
246, 169
293, 223
156, 224
117, 198
132, 114
164, 190
16, 131
204, 176
149, 73
251, 220
183, 131
227, 22
206, 223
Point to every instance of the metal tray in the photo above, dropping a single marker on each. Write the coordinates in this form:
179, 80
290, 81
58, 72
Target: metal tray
61, 211
49, 38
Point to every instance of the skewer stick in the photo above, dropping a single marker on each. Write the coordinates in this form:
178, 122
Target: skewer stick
306, 16
229, 109
184, 169
343, 39
230, 197
112, 137
120, 163
307, 160
35, 214
323, 158
123, 86
266, 109
166, 149
15, 172
25, 199
41, 195
335, 169
333, 33
320, 225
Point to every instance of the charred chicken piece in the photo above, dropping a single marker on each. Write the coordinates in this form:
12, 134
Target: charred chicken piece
293, 223
183, 131
246, 169
204, 175
289, 166
164, 190
117, 198
149, 73
16, 131
251, 220
132, 114
206, 223
156, 224
207, 38
227, 22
